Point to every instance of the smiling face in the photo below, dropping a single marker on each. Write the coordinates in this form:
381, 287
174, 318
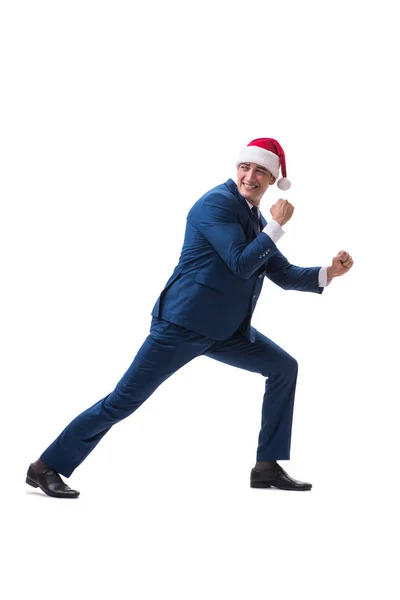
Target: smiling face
253, 181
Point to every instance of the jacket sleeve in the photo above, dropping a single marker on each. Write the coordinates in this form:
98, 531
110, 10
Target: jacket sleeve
218, 221
289, 277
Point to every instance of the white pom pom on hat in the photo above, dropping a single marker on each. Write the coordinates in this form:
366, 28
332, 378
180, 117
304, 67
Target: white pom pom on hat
267, 153
284, 184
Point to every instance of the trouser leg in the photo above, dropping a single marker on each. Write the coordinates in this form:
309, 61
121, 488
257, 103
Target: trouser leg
166, 349
267, 358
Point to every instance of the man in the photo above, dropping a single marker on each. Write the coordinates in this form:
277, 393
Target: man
206, 309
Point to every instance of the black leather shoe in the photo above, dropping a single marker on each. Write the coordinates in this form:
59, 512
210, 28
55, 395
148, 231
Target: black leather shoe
51, 483
276, 477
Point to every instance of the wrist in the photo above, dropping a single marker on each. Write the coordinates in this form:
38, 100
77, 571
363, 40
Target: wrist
330, 274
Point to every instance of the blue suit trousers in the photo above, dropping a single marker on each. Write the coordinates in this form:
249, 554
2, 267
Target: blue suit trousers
167, 348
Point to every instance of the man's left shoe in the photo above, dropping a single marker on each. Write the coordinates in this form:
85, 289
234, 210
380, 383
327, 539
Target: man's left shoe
276, 477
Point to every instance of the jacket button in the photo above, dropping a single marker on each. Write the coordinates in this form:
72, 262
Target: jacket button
260, 276
254, 297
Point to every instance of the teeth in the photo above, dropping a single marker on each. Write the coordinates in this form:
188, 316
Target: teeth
249, 186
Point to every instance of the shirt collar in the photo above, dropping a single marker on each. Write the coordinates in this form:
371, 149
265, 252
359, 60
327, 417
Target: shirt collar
252, 206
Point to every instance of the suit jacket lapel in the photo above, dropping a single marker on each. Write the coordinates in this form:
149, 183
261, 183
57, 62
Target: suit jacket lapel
249, 215
252, 221
233, 188
263, 222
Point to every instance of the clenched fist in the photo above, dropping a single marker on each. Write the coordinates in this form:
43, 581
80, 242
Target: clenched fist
341, 264
281, 211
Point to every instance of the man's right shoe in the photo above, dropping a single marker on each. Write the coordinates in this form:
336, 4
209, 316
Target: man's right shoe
50, 483
278, 478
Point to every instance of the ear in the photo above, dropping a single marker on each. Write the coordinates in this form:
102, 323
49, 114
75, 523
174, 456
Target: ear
272, 180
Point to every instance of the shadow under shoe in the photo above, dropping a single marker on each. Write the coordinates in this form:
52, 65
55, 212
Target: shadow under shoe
50, 483
276, 477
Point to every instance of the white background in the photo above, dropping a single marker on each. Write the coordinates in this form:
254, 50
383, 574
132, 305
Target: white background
115, 118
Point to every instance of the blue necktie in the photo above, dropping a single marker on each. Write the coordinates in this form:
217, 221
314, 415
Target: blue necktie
256, 220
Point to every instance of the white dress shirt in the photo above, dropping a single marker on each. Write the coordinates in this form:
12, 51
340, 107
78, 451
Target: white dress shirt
275, 232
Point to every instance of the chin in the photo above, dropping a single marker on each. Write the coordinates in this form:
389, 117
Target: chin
245, 193
251, 197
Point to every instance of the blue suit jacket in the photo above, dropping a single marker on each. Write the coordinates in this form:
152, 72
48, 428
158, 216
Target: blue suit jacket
215, 286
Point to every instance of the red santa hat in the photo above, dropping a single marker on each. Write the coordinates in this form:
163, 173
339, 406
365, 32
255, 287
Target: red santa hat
267, 153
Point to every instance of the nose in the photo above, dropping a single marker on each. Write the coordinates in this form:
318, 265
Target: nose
250, 175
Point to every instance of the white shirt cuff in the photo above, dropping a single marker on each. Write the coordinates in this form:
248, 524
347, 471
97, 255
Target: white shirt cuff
323, 277
274, 231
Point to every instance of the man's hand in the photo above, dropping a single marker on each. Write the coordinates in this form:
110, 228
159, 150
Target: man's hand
341, 264
281, 211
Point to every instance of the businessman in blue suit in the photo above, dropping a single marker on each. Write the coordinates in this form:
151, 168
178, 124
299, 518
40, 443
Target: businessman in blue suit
205, 309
